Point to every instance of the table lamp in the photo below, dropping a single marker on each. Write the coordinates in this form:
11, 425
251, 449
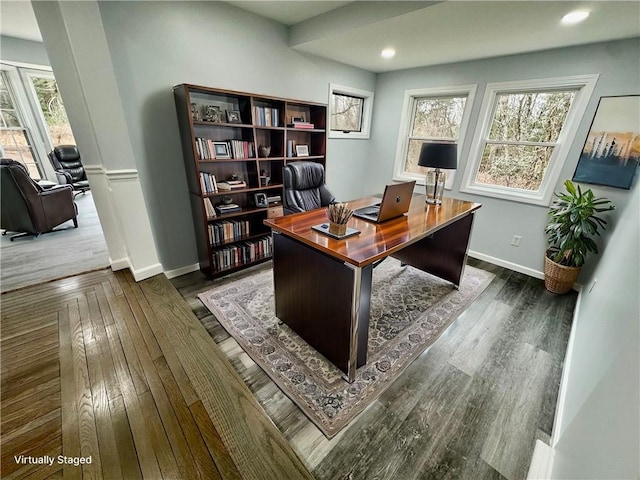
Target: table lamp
437, 156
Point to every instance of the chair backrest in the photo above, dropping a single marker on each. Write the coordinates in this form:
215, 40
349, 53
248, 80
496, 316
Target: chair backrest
304, 188
17, 191
66, 158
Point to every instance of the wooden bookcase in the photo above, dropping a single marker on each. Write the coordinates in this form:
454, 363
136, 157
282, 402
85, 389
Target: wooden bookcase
222, 132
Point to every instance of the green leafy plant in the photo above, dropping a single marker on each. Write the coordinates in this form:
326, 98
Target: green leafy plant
572, 224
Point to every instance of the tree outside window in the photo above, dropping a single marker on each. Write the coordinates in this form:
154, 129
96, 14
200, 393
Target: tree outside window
525, 131
523, 135
346, 113
55, 116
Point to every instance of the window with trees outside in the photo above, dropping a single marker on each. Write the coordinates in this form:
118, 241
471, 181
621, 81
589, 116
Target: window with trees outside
33, 118
430, 115
350, 112
523, 140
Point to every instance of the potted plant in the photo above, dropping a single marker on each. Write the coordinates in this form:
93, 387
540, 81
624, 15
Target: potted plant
573, 220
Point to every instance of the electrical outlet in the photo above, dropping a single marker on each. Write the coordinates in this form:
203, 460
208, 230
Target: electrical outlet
515, 240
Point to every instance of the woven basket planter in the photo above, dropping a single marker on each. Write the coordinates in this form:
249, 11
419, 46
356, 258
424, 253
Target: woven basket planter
558, 278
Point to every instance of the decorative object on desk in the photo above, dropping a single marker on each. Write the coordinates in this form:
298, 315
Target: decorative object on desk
573, 220
195, 114
437, 155
302, 150
338, 214
611, 152
221, 150
410, 309
233, 116
264, 151
212, 113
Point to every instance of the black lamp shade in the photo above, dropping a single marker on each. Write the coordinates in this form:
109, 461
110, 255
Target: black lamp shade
439, 155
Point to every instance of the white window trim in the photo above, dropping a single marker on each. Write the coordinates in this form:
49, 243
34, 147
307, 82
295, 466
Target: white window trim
408, 108
27, 75
367, 109
584, 85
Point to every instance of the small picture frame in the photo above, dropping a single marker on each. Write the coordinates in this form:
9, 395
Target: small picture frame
221, 150
233, 116
299, 119
302, 150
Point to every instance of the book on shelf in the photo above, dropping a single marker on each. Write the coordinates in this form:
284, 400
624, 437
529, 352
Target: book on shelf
301, 125
227, 208
266, 116
208, 183
231, 185
228, 231
242, 253
238, 149
209, 208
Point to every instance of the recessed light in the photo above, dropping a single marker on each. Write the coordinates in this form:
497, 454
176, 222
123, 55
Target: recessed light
574, 17
388, 52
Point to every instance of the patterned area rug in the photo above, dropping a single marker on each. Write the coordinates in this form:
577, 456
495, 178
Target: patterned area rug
410, 309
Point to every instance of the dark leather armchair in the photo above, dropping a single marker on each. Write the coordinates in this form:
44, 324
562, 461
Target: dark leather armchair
304, 187
67, 163
28, 208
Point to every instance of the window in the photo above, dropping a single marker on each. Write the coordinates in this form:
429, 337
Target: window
44, 89
15, 138
350, 112
523, 140
439, 114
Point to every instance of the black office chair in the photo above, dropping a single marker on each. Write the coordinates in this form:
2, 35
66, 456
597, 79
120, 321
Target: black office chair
68, 166
304, 188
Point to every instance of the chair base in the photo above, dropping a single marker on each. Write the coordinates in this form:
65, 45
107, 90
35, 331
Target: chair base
34, 235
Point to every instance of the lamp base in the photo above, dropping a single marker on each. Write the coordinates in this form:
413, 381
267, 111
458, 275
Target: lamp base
435, 186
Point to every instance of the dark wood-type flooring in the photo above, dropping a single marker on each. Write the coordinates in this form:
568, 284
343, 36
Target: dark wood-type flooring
99, 366
471, 407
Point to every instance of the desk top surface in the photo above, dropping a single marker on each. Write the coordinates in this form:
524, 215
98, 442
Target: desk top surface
375, 241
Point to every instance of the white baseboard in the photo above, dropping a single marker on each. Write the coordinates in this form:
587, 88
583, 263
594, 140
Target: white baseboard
119, 264
541, 462
182, 270
509, 265
146, 272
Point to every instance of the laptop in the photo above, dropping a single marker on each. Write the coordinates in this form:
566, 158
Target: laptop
395, 203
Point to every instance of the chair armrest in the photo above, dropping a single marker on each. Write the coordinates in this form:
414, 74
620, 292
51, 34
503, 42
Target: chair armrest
64, 177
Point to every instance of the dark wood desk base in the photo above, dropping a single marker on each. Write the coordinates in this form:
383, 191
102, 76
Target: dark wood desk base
326, 301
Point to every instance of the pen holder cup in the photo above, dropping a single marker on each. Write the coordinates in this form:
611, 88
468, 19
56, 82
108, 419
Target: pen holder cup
337, 228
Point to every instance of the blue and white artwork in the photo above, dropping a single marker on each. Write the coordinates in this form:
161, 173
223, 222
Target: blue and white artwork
611, 153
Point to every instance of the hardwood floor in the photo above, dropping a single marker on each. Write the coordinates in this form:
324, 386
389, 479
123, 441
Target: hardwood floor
69, 251
471, 407
121, 374
98, 366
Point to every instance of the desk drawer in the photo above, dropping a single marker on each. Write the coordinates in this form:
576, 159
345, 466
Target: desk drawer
274, 212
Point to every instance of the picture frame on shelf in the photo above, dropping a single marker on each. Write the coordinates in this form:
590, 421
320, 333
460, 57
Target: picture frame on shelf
221, 150
299, 119
212, 113
610, 154
233, 116
302, 150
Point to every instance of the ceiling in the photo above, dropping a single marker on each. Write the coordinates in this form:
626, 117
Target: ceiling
422, 33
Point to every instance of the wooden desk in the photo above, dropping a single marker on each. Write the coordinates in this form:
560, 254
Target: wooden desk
323, 286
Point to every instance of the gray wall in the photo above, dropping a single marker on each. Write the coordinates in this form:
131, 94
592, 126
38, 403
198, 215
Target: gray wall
23, 51
598, 435
156, 45
498, 220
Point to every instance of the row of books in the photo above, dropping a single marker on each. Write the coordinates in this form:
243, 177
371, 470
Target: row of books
242, 149
242, 253
208, 149
208, 183
228, 231
266, 116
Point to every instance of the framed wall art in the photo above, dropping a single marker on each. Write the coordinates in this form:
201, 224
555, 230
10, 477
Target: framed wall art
611, 152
